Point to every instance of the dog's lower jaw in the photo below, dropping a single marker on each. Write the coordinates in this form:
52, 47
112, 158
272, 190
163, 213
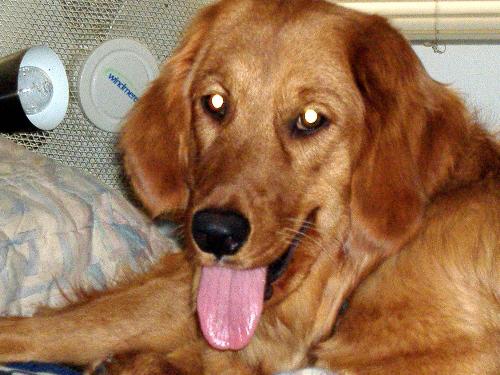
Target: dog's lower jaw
277, 268
284, 342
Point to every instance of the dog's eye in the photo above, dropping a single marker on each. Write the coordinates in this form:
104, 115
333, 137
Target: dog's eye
215, 105
309, 121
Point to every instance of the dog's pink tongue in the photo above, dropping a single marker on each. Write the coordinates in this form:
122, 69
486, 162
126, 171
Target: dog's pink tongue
230, 304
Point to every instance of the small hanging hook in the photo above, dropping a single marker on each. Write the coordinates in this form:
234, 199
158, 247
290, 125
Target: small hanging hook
435, 44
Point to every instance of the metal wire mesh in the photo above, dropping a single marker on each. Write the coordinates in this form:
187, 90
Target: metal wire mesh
73, 28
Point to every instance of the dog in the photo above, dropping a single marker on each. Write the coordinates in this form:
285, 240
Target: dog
341, 209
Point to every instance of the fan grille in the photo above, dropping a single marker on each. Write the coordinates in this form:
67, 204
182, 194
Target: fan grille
73, 28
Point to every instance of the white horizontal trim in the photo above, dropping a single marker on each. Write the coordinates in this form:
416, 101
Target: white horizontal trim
456, 19
411, 8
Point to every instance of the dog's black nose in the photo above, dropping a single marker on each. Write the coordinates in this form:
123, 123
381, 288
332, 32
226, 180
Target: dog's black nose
220, 232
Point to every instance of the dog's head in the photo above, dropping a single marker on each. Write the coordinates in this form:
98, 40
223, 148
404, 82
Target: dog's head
281, 130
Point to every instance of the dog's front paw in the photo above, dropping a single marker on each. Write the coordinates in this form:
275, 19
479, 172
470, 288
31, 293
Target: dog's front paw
308, 371
133, 364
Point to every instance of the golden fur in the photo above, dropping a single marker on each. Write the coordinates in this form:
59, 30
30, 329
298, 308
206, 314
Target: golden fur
400, 195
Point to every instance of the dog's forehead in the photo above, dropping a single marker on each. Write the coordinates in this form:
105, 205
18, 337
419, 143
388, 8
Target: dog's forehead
255, 42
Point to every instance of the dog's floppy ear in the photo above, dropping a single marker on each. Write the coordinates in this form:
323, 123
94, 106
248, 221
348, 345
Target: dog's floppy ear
387, 199
155, 141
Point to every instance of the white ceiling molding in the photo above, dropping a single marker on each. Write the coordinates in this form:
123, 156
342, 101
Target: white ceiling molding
444, 19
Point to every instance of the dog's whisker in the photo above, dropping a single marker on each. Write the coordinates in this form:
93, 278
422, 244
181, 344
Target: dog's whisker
298, 221
179, 227
285, 237
291, 233
179, 231
313, 241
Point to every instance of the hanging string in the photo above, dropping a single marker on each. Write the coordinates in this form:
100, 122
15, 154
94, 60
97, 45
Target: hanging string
435, 44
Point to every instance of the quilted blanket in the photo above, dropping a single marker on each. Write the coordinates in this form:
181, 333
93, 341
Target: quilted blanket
61, 229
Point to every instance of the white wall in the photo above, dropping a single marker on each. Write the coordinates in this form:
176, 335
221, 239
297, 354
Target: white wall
473, 70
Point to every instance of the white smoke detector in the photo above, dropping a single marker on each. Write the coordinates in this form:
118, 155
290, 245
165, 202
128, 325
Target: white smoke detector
112, 79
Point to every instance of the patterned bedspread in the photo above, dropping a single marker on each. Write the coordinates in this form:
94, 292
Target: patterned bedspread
61, 229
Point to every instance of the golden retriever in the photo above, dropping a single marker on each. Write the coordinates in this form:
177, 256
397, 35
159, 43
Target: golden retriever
313, 160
